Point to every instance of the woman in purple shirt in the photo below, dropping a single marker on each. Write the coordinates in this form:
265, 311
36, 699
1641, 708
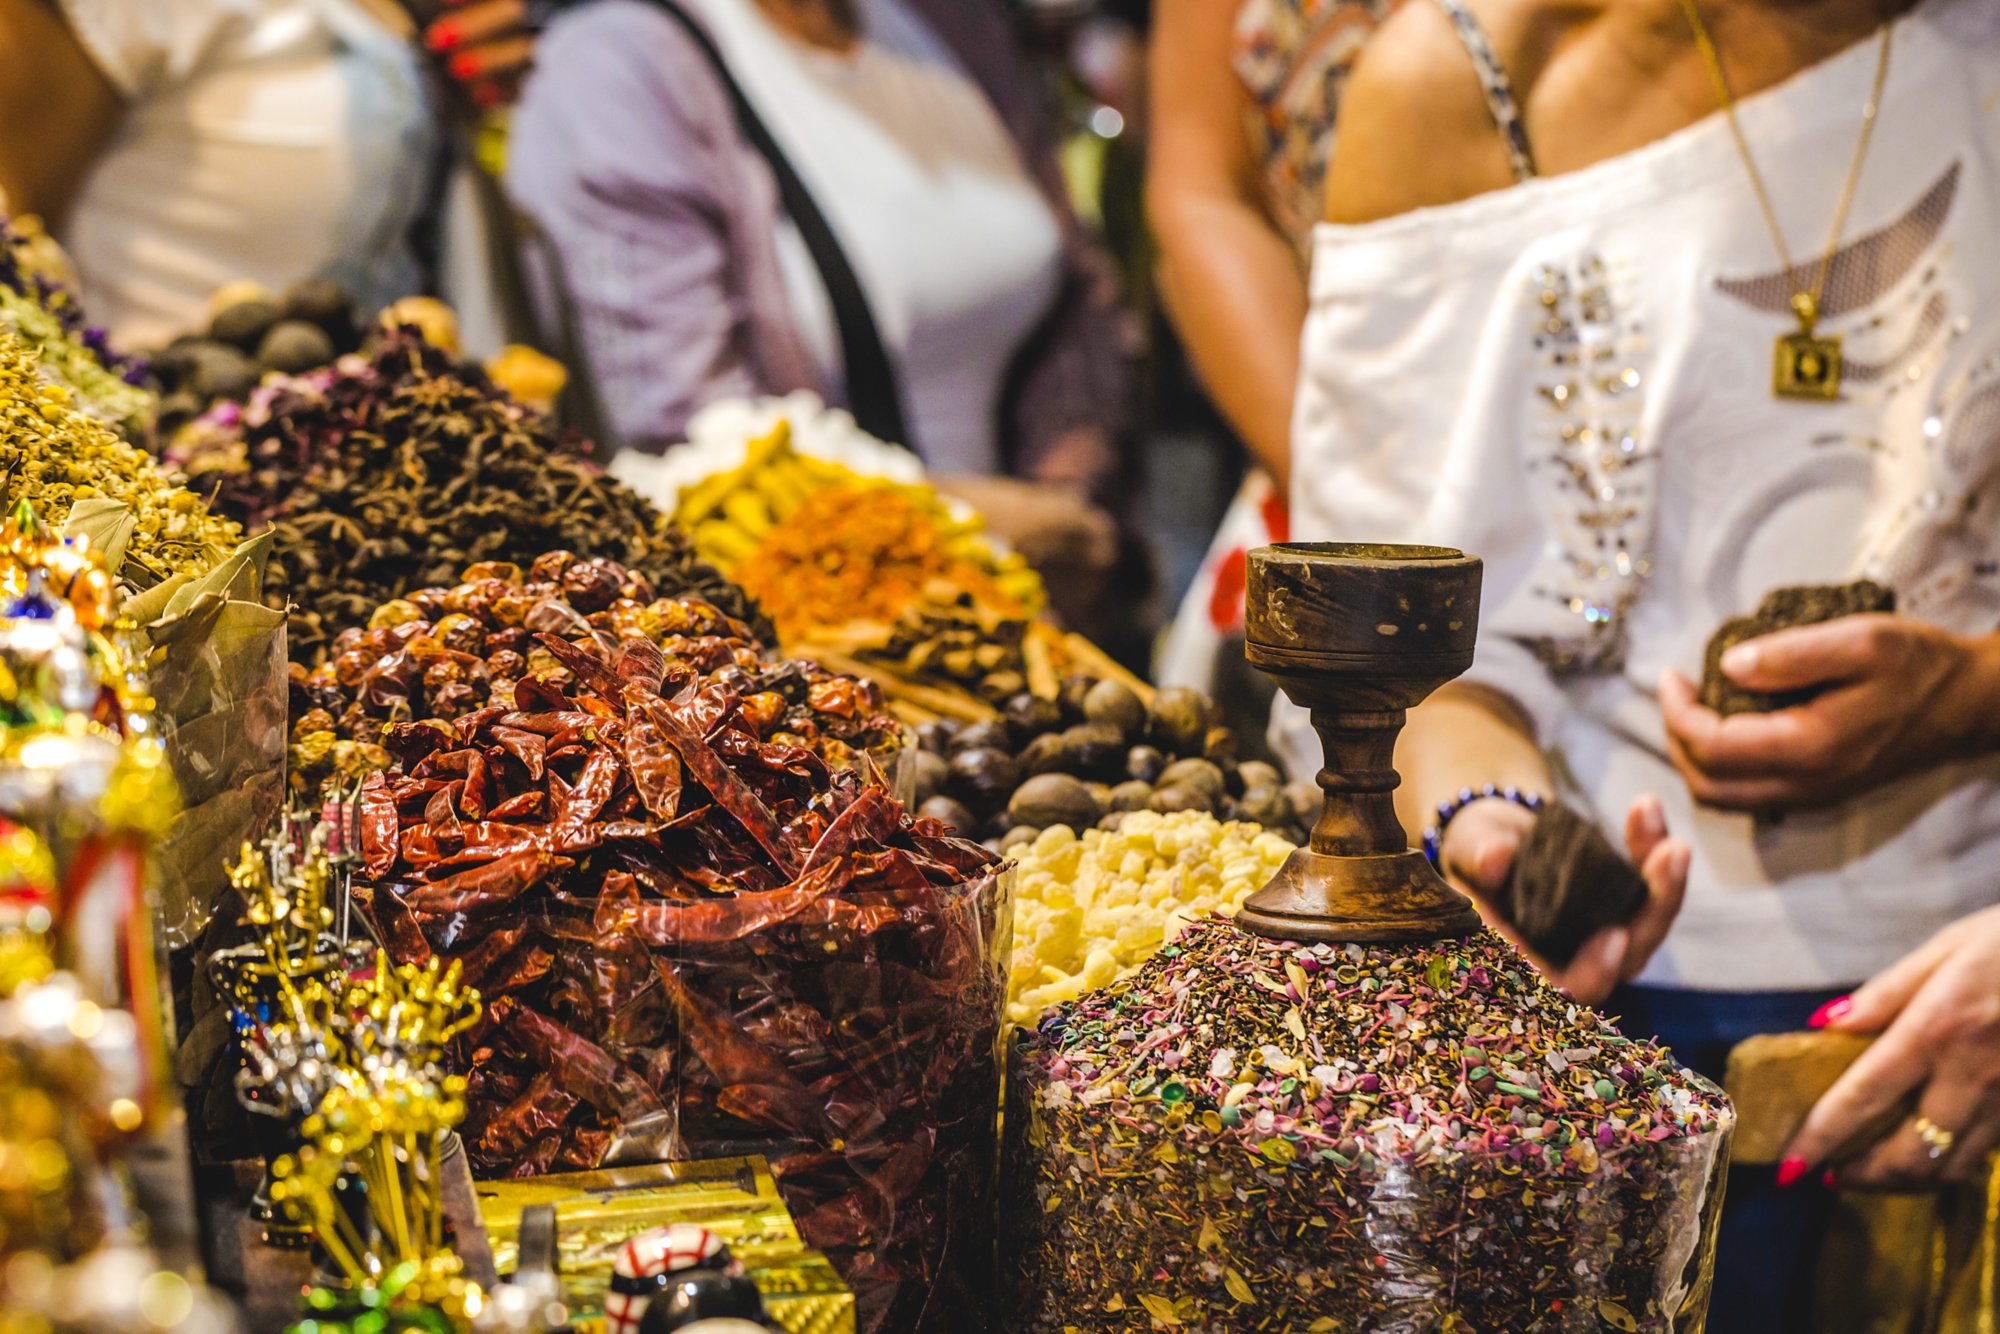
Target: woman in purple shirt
908, 124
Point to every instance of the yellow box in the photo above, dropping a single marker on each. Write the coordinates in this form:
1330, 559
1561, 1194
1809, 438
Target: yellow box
735, 1198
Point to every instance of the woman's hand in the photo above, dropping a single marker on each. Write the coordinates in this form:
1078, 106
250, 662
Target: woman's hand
487, 46
1938, 1012
1897, 695
1478, 853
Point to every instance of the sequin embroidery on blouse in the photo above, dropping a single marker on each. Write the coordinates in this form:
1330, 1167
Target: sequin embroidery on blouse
1293, 58
1592, 460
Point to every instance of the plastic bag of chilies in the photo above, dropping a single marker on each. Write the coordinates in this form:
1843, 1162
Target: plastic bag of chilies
695, 939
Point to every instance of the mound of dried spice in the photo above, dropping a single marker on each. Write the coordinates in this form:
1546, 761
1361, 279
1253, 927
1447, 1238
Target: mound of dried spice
54, 456
870, 553
37, 305
398, 472
1258, 1135
442, 653
695, 938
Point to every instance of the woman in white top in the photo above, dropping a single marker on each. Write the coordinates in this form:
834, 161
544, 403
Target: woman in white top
1557, 345
178, 145
908, 126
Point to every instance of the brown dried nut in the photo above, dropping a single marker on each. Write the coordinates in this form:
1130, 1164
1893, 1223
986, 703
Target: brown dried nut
1198, 774
1115, 703
1145, 763
505, 664
980, 736
1028, 716
1094, 750
1170, 799
1046, 754
1178, 722
983, 778
1049, 799
505, 571
1131, 795
950, 813
928, 772
1267, 806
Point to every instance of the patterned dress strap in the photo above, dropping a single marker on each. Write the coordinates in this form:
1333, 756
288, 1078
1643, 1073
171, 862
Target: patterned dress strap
1498, 88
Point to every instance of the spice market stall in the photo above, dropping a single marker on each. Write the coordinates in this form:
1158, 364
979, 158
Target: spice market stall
657, 885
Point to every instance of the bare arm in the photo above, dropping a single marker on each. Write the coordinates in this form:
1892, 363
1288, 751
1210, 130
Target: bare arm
56, 109
1230, 279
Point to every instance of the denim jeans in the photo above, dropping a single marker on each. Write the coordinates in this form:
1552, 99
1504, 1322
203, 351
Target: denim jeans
1770, 1237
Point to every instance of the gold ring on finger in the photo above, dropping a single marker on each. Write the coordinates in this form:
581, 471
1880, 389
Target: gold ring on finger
1937, 1140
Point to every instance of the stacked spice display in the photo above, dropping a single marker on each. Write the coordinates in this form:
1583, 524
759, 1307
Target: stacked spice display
696, 937
398, 472
1342, 1137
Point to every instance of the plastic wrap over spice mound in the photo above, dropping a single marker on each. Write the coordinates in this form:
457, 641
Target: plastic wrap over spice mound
1254, 1135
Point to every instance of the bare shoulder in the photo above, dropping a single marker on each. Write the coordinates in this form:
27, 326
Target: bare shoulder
1415, 129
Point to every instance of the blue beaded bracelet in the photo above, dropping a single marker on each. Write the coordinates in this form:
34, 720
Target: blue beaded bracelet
1448, 811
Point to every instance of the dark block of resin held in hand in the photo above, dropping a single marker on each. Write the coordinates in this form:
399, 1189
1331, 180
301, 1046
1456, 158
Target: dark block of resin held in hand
1568, 884
1781, 610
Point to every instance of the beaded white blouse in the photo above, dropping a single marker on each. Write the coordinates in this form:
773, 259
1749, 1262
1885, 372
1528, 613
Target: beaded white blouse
1571, 378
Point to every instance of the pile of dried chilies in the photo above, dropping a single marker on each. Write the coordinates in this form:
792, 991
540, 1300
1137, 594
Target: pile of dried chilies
697, 937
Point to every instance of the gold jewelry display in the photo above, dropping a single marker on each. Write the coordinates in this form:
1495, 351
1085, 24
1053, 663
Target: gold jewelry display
1936, 1138
1805, 365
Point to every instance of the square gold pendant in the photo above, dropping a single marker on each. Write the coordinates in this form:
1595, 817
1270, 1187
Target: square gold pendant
1807, 366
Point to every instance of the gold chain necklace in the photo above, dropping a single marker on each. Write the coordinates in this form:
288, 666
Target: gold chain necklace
1805, 365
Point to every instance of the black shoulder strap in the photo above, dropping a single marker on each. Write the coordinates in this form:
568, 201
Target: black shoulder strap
872, 391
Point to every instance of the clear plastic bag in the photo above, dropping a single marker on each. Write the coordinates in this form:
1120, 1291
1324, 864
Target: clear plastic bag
1323, 1176
857, 1047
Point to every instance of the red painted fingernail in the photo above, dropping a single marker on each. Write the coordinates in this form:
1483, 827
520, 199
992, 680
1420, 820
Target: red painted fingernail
1791, 1172
443, 36
1831, 1013
1831, 1180
463, 67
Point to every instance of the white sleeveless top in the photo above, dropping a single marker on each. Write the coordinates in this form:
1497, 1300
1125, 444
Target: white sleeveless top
271, 140
1572, 379
957, 249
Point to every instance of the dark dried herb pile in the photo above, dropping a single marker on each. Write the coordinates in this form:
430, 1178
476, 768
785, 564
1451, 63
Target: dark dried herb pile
1257, 1135
677, 910
402, 472
442, 653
